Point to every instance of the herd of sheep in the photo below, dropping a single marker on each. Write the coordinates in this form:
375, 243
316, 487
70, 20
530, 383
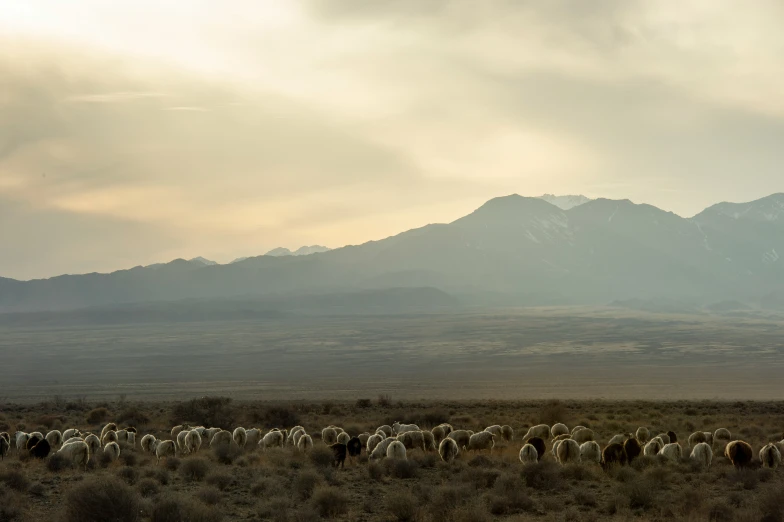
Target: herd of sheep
576, 445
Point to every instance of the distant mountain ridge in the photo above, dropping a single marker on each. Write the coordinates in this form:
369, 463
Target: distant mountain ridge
512, 249
301, 251
565, 202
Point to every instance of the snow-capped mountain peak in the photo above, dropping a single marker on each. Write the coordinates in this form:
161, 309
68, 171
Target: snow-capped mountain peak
565, 202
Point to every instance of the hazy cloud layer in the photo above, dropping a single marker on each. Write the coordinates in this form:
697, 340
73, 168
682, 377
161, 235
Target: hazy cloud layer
132, 134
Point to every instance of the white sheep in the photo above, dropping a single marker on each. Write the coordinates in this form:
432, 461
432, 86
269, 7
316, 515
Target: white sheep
448, 450
21, 438
386, 429
722, 434
298, 435
177, 429
5, 446
412, 440
664, 438
271, 440
109, 436
380, 451
93, 443
396, 450
147, 443
542, 431
76, 452
770, 456
559, 429
507, 432
373, 441
112, 451
305, 443
131, 439
209, 433
329, 436
363, 438
253, 436
122, 436
568, 451
528, 454
672, 451
462, 437
653, 447
495, 430
554, 450
221, 437
54, 438
240, 436
399, 428
438, 434
109, 427
192, 441
642, 435
69, 433
590, 451
617, 439
164, 448
290, 438
583, 435
702, 453
343, 437
429, 441
181, 441
484, 440
576, 428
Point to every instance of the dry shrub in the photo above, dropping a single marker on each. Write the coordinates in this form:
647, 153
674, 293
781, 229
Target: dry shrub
181, 509
719, 511
472, 513
426, 460
428, 418
37, 490
747, 478
50, 421
509, 496
97, 415
128, 474
641, 493
15, 480
321, 457
127, 457
276, 416
226, 453
402, 469
268, 487
446, 499
172, 463
148, 487
194, 470
222, 481
553, 412
206, 411
10, 507
364, 403
585, 498
480, 478
275, 510
543, 475
329, 501
306, 483
581, 472
209, 495
159, 474
375, 471
100, 499
771, 505
133, 416
401, 504
482, 461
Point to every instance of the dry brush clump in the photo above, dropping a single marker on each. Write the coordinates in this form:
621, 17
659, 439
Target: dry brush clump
194, 470
100, 499
330, 501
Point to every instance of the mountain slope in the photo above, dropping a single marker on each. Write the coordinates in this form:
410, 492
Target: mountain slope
526, 249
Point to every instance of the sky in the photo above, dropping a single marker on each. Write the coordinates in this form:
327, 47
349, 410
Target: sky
134, 132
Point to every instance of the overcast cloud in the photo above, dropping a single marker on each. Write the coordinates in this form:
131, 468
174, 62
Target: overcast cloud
137, 132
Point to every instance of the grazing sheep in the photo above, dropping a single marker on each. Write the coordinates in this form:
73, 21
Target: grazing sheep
109, 427
112, 451
147, 443
339, 455
528, 454
293, 431
568, 451
240, 436
131, 439
33, 440
613, 455
373, 441
177, 429
438, 434
329, 436
617, 439
448, 450
653, 447
484, 440
672, 451
354, 447
222, 437
561, 437
673, 437
539, 444
380, 451
495, 430
559, 429
131, 429
399, 428
210, 433
70, 433
76, 452
122, 436
447, 427
93, 442
507, 433
396, 450
429, 441
252, 437
542, 431
181, 441
41, 450
343, 437
770, 456
462, 437
271, 440
583, 435
192, 441
723, 435
739, 453
386, 429
577, 428
554, 449
6, 436
5, 446
698, 437
109, 436
642, 435
664, 438
305, 443
412, 440
363, 438
702, 453
632, 449
164, 448
299, 434
591, 452
54, 438
20, 439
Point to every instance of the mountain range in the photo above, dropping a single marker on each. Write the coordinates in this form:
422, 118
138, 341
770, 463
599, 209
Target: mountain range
513, 250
